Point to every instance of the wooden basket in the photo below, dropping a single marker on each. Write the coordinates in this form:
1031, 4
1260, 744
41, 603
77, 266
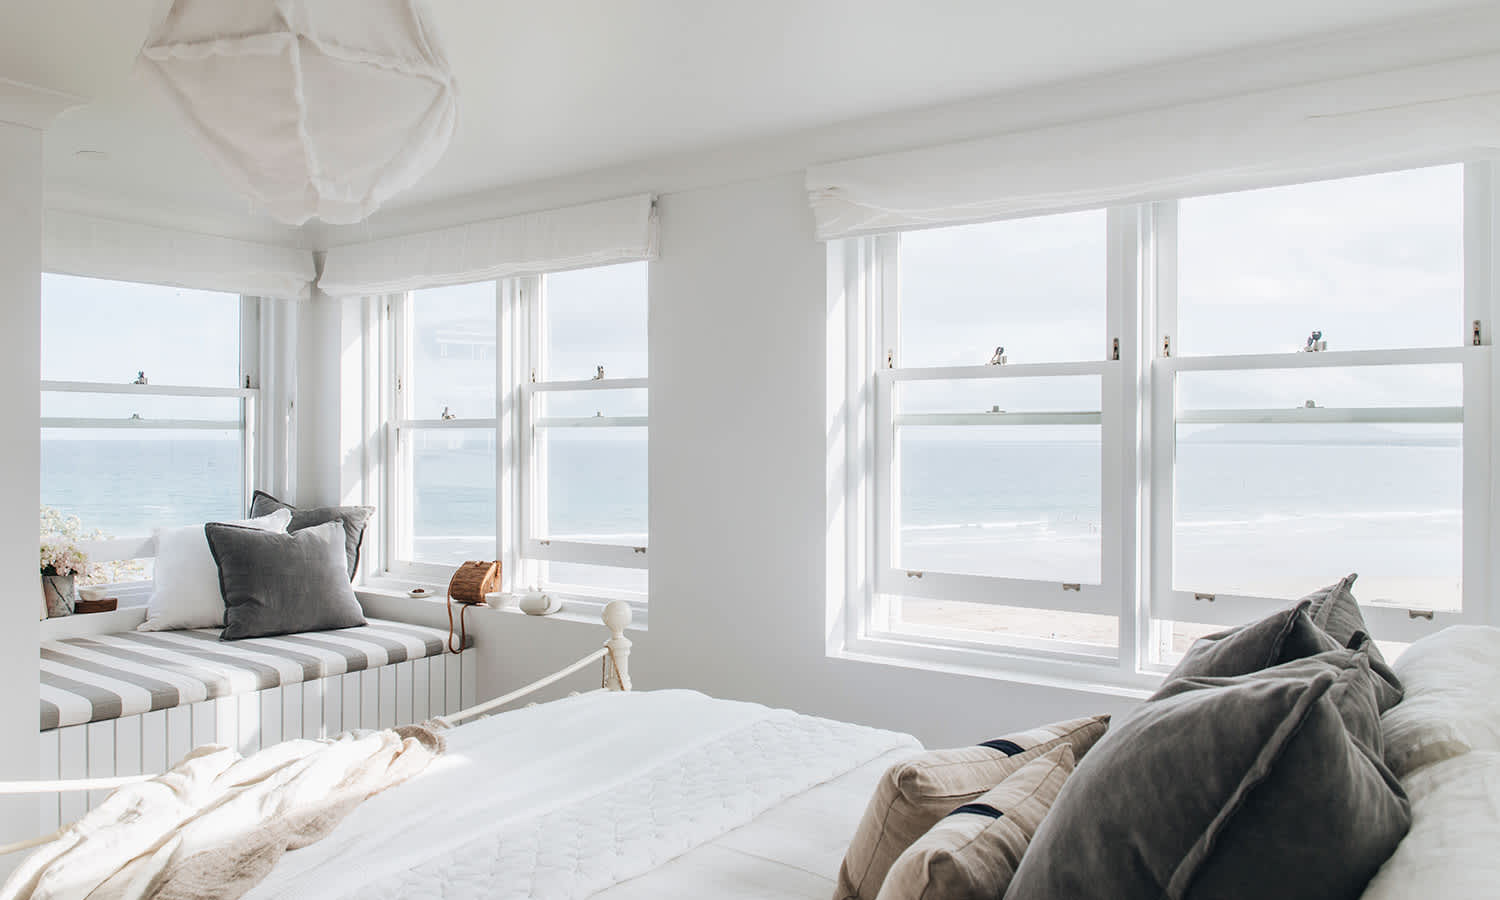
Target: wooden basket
474, 581
108, 604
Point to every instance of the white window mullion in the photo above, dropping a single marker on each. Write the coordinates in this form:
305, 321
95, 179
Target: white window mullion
1481, 596
1120, 436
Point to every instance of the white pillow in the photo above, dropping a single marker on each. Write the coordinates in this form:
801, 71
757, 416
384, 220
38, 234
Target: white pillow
1449, 854
1451, 705
186, 591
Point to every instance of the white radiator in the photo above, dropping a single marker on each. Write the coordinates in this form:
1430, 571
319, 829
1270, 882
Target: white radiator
383, 697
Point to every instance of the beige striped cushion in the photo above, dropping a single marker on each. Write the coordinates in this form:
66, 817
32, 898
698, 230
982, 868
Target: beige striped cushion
972, 852
914, 794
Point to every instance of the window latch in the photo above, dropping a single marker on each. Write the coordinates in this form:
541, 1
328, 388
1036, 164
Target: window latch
1419, 614
599, 375
998, 358
890, 359
1166, 346
448, 415
913, 573
1209, 597
1072, 586
639, 549
1477, 341
1315, 343
1114, 352
140, 378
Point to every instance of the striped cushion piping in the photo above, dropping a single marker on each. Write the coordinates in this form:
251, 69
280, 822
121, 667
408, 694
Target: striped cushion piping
1009, 748
977, 809
106, 676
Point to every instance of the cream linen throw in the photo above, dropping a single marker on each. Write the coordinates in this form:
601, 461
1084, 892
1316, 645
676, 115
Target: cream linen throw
212, 827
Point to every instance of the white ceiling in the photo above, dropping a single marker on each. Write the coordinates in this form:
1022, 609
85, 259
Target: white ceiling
568, 86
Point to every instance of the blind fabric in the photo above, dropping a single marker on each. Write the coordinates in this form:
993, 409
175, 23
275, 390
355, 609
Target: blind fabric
610, 231
75, 244
1442, 112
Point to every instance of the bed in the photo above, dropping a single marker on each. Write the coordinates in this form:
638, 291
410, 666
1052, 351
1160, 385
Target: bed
624, 795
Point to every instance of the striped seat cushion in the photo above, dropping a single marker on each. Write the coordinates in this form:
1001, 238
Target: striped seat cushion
105, 676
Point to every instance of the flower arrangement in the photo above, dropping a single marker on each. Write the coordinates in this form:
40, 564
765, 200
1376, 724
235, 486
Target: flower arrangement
61, 554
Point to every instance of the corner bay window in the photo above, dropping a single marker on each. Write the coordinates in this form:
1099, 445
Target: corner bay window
1094, 436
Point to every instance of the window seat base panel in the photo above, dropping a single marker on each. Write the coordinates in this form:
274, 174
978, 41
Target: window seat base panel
377, 696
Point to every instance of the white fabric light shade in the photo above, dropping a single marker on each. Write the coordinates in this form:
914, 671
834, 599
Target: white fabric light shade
593, 234
321, 108
74, 244
1437, 113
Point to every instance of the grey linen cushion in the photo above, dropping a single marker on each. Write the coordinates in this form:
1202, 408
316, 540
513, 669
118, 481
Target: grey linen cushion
1278, 638
353, 518
1263, 785
1335, 610
288, 584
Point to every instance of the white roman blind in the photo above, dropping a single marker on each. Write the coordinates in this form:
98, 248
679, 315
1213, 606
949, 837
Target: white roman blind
1442, 112
75, 244
592, 234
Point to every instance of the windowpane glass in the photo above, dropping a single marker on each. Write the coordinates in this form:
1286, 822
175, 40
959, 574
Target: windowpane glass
1281, 510
144, 411
596, 317
1035, 286
583, 404
592, 579
109, 331
1057, 394
1373, 263
595, 484
453, 494
1346, 387
1001, 624
128, 482
453, 361
1018, 501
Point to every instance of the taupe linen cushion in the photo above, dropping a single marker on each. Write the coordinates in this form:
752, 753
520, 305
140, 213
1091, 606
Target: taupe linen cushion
1263, 785
1335, 610
282, 583
1278, 638
972, 852
353, 518
914, 794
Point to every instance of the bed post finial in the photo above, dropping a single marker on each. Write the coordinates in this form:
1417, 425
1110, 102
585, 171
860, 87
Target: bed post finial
617, 616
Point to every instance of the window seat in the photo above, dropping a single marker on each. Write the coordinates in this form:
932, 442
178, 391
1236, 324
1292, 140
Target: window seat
110, 676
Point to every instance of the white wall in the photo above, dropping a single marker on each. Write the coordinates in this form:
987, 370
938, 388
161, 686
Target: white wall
20, 464
738, 509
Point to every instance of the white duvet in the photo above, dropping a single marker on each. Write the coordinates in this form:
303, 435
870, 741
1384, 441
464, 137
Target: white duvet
569, 798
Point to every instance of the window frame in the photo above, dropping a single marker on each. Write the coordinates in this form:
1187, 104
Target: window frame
255, 455
1138, 415
532, 475
520, 475
399, 428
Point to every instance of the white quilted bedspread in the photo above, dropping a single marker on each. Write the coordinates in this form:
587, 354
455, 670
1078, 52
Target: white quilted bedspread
569, 798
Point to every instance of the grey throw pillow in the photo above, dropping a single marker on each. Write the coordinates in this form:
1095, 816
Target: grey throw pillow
288, 584
353, 518
1335, 610
1278, 638
1263, 785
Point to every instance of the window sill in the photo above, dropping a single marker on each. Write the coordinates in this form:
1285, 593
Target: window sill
997, 665
580, 609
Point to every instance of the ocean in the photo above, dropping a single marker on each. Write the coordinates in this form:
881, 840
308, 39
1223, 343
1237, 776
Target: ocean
1253, 515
